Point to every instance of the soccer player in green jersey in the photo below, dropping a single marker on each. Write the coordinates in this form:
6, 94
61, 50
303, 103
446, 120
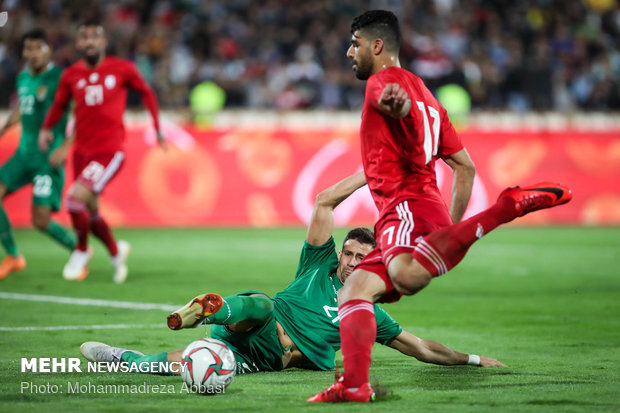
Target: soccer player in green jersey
299, 326
36, 86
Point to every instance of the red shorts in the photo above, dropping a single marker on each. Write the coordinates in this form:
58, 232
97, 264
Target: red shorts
96, 171
398, 231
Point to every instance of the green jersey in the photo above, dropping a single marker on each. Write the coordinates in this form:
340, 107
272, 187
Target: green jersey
308, 307
36, 95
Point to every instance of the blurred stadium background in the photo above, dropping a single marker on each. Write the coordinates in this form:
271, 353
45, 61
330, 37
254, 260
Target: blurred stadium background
263, 110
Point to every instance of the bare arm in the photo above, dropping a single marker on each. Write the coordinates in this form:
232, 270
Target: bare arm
429, 351
14, 118
394, 101
464, 171
322, 222
58, 157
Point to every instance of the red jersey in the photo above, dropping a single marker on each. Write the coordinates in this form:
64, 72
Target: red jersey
100, 96
399, 154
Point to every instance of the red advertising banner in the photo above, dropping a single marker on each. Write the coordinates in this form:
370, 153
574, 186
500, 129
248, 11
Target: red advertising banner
270, 177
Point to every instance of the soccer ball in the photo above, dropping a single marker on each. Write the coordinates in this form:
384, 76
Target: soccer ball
208, 366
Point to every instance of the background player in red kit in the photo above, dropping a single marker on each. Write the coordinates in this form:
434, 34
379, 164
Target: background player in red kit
404, 130
98, 84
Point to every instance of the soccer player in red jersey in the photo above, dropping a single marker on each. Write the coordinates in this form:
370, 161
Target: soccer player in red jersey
98, 84
404, 130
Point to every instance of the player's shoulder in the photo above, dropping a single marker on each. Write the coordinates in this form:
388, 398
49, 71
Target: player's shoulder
118, 62
76, 67
53, 71
23, 75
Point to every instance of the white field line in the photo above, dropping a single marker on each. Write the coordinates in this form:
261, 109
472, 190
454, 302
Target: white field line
87, 302
93, 327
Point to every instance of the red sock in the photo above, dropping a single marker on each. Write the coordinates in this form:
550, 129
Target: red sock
443, 249
102, 231
358, 331
80, 218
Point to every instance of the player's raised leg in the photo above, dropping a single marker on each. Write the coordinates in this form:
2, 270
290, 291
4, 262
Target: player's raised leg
442, 250
213, 309
13, 261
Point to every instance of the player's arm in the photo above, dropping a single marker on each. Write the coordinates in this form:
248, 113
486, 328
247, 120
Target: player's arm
429, 351
137, 82
55, 112
394, 101
322, 221
464, 171
14, 118
58, 157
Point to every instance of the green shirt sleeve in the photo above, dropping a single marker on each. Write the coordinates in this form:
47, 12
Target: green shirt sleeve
387, 328
313, 256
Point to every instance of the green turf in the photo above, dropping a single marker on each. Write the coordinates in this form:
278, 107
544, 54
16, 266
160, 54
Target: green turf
546, 301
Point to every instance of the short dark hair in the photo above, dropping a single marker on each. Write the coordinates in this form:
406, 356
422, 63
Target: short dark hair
361, 235
90, 22
35, 34
380, 24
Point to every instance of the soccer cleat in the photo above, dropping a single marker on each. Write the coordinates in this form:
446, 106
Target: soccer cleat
337, 393
192, 314
539, 196
95, 351
11, 264
120, 261
76, 269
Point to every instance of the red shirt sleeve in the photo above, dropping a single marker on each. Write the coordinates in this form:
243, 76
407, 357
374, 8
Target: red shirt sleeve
136, 82
450, 142
61, 101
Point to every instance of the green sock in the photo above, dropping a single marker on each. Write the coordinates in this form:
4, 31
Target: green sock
242, 308
6, 235
61, 235
141, 364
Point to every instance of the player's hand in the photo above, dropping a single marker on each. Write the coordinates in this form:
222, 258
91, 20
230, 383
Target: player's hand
45, 138
58, 157
161, 140
394, 101
489, 362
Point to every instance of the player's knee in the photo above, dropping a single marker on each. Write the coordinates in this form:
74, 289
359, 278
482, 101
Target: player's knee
3, 191
409, 282
40, 221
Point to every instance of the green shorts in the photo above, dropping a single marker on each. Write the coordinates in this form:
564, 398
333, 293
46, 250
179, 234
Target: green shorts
255, 351
46, 182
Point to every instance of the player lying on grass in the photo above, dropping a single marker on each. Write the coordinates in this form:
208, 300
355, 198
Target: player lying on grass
299, 326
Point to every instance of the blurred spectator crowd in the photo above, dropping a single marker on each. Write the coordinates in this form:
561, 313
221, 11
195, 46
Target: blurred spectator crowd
286, 54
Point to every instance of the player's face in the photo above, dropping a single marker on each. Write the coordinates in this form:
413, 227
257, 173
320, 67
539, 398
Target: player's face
36, 53
361, 56
352, 253
91, 43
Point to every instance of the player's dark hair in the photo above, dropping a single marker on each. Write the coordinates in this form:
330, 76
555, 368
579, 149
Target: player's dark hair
90, 23
380, 24
361, 235
35, 34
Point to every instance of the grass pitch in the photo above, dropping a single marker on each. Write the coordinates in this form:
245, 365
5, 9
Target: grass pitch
545, 301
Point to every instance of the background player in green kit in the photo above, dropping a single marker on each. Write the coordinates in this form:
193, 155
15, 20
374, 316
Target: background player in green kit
36, 86
299, 326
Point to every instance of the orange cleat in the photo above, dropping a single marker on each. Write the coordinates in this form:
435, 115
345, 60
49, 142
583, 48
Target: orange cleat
539, 196
337, 393
192, 314
11, 264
